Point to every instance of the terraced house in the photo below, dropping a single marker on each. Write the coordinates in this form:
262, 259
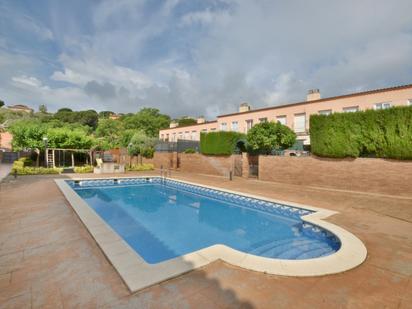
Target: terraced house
294, 115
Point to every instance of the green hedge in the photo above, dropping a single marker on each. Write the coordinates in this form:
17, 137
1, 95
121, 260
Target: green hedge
20, 168
372, 133
84, 169
140, 167
219, 143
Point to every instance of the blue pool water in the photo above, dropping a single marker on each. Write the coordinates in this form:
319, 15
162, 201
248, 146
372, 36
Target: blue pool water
161, 220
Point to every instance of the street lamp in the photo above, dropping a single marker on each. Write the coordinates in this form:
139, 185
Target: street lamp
45, 140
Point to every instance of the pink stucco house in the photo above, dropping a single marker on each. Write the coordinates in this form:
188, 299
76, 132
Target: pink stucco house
294, 115
5, 141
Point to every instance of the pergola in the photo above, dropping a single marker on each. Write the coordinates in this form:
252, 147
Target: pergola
51, 155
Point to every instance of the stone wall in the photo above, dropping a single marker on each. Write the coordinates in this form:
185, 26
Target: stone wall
362, 174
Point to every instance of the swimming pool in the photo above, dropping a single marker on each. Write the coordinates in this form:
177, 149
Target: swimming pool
152, 229
163, 219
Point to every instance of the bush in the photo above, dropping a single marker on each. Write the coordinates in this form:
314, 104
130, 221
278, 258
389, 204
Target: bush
377, 133
190, 150
220, 143
83, 169
140, 167
35, 170
268, 136
19, 167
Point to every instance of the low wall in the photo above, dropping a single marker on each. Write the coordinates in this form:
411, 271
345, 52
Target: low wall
202, 164
362, 174
159, 159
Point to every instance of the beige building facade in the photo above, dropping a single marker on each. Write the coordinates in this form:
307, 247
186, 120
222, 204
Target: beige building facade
295, 115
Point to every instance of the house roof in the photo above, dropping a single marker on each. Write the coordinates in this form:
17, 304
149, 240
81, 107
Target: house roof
190, 125
19, 106
322, 100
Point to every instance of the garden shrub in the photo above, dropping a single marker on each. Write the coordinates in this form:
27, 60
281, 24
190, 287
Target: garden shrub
140, 167
35, 170
190, 150
84, 169
372, 133
219, 143
268, 136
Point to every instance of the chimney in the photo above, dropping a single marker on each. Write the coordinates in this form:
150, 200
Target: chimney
313, 94
201, 119
173, 124
244, 107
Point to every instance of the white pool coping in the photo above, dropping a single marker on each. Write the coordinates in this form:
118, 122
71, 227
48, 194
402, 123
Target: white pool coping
137, 274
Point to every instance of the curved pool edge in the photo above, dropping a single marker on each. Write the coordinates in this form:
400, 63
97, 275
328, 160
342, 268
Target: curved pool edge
138, 274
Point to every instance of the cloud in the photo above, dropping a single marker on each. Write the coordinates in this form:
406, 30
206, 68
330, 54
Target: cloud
27, 81
205, 57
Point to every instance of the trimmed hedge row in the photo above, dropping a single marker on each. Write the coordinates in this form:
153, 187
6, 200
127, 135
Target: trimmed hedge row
220, 143
84, 169
372, 133
140, 167
20, 169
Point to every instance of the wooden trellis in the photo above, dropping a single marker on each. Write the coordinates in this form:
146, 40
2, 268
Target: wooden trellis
51, 155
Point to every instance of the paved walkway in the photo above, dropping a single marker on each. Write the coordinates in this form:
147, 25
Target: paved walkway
4, 170
48, 259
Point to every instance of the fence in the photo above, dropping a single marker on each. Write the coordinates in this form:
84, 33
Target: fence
179, 146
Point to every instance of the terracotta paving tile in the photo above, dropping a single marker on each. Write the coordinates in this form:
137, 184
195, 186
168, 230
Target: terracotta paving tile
10, 261
49, 260
21, 301
5, 280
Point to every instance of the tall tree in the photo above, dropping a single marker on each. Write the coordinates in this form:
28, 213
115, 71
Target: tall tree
149, 120
43, 109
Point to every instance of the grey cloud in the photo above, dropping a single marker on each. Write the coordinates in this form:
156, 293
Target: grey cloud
264, 52
104, 91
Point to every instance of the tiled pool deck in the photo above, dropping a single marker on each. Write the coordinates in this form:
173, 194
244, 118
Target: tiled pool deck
48, 259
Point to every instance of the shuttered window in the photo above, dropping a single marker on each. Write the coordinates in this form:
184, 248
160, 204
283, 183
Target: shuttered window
300, 123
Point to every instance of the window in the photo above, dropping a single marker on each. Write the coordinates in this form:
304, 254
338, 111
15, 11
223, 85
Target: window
300, 123
213, 129
351, 109
410, 102
223, 126
180, 135
167, 137
162, 136
187, 135
193, 135
325, 112
384, 105
235, 126
204, 130
264, 119
249, 124
281, 119
174, 137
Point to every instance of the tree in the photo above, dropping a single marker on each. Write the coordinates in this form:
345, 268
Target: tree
64, 109
1, 103
89, 118
43, 109
186, 121
28, 135
110, 131
68, 138
148, 120
105, 114
267, 136
141, 144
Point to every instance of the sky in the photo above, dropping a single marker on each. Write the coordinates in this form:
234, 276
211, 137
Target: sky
198, 57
